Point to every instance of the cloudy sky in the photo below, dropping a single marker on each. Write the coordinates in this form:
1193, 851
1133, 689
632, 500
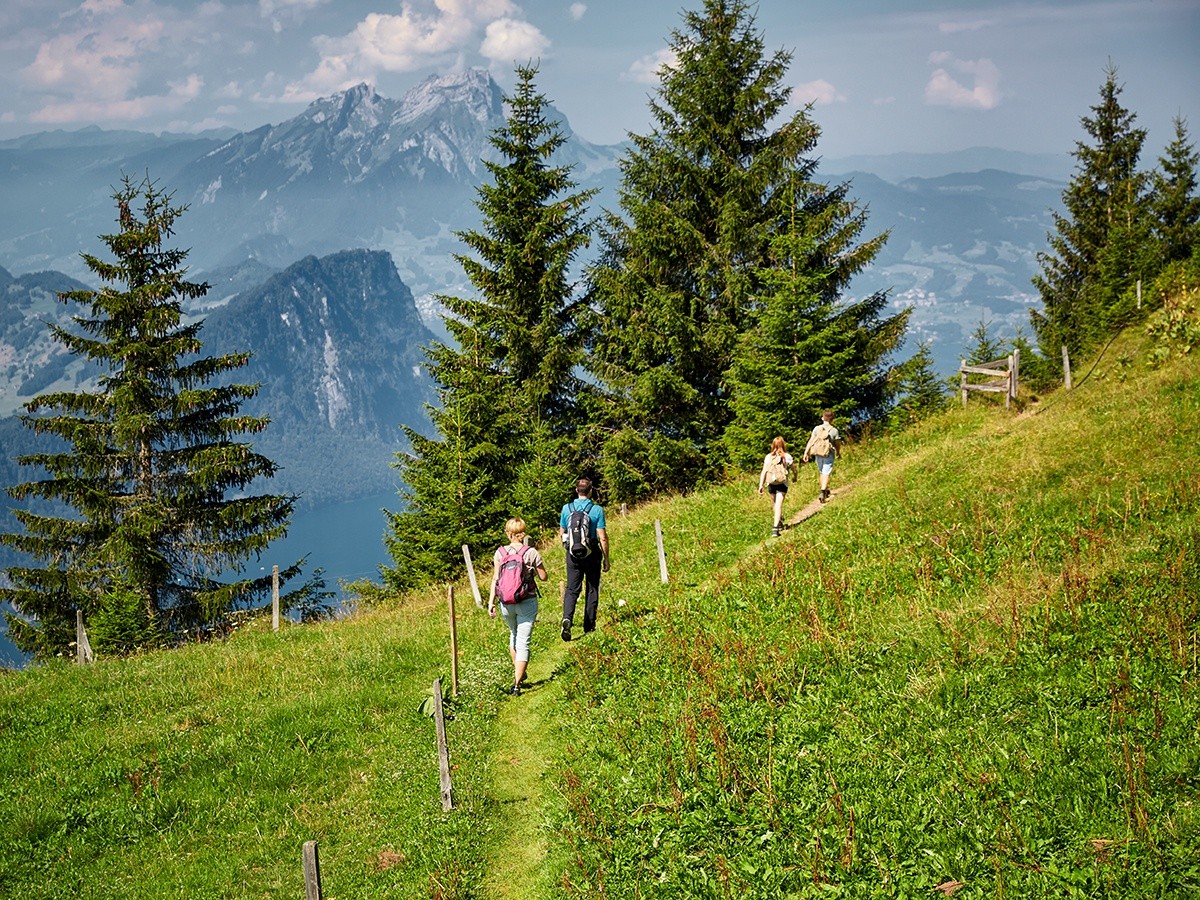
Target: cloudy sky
884, 75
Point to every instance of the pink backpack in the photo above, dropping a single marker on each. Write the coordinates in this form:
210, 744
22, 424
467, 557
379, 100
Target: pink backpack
516, 578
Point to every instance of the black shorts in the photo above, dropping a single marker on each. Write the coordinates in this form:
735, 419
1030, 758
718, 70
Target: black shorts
778, 488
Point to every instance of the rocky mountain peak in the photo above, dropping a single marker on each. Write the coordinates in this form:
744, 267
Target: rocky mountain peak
471, 90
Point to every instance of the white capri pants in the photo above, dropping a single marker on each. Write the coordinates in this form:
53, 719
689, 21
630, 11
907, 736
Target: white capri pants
520, 618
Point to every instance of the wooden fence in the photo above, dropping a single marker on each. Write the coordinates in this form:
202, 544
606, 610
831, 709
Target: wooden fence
1001, 374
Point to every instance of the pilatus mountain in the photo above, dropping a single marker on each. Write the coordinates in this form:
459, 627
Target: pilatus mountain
337, 335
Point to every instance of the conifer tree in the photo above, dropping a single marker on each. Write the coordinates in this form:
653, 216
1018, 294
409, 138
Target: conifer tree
984, 348
1174, 201
508, 389
147, 464
1100, 247
921, 391
806, 349
680, 263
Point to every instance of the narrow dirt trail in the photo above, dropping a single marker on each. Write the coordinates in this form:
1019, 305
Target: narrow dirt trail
524, 756
522, 761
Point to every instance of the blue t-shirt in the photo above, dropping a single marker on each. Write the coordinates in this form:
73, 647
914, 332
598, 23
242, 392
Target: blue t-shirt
595, 515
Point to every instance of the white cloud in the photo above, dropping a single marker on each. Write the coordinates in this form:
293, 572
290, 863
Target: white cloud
645, 70
126, 109
508, 40
819, 92
99, 7
96, 63
944, 89
961, 26
577, 10
420, 34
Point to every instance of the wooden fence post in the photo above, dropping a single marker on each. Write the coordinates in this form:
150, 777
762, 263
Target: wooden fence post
962, 365
443, 750
312, 872
274, 598
1016, 371
471, 576
83, 647
453, 645
662, 556
1066, 368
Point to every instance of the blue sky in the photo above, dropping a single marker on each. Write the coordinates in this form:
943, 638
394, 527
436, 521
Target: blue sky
885, 75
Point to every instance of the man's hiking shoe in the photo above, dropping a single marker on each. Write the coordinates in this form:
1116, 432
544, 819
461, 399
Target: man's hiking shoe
566, 630
775, 531
516, 690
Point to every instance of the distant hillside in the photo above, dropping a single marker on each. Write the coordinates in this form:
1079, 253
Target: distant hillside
357, 169
337, 347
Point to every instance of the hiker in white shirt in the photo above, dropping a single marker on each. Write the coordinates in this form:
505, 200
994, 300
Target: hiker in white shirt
823, 447
777, 466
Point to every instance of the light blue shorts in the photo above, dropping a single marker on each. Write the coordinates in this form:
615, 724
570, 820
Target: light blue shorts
519, 617
824, 464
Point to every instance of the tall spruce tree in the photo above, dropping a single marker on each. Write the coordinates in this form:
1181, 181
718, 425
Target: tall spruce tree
806, 349
1101, 245
148, 461
1174, 202
508, 389
921, 391
680, 262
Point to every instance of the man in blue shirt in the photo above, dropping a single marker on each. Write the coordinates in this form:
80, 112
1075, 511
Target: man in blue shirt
589, 567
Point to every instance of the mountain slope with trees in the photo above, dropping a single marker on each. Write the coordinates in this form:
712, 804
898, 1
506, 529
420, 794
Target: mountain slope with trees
962, 674
155, 468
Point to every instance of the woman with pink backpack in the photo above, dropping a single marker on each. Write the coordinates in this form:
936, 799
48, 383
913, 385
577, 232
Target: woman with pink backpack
514, 568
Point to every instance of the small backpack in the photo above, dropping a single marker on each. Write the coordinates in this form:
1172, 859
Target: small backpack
777, 471
579, 532
821, 445
516, 579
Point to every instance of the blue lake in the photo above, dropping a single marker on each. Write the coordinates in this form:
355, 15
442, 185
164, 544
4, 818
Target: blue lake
345, 539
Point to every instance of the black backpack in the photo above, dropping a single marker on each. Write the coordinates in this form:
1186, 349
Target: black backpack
579, 533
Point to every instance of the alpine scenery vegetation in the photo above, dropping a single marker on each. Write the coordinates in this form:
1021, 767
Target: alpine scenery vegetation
147, 463
974, 674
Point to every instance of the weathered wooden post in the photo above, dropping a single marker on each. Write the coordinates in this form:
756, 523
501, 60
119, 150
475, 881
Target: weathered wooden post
471, 576
624, 509
662, 556
274, 598
312, 872
443, 750
962, 371
83, 647
1066, 368
1008, 388
1016, 371
453, 645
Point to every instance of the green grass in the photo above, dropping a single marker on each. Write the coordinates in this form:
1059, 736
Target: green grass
979, 666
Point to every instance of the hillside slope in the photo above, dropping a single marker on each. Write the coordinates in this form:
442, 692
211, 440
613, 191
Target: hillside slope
974, 672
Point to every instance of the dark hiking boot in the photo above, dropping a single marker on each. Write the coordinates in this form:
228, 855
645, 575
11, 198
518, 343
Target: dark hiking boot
566, 630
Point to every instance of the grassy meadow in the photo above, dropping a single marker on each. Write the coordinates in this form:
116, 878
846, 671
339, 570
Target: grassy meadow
973, 673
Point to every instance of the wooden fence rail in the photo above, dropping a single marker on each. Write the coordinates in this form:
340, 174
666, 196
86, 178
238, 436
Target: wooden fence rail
1002, 377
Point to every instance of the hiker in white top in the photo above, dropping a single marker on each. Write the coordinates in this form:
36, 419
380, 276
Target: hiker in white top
519, 615
824, 444
777, 466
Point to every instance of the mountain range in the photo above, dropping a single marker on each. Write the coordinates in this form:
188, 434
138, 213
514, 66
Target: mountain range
326, 238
